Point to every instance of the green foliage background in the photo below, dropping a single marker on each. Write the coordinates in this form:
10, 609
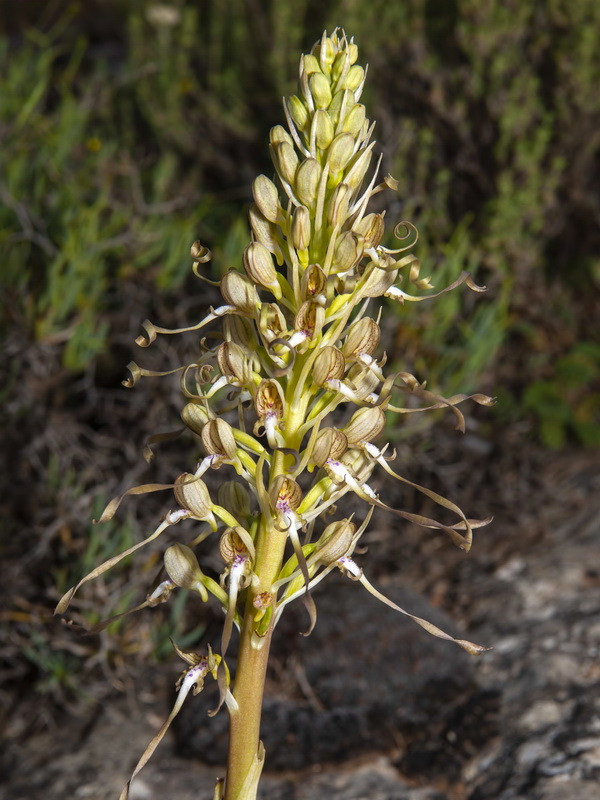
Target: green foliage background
128, 129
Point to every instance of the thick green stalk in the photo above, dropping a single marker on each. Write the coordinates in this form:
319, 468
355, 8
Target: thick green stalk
253, 655
244, 732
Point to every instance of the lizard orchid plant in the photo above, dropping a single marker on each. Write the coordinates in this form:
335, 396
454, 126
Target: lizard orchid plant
296, 353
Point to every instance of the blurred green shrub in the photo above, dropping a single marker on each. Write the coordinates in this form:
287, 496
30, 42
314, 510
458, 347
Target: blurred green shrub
114, 156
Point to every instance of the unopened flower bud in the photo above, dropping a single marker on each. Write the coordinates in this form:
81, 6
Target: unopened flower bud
340, 152
329, 365
183, 569
337, 210
310, 64
365, 425
241, 331
218, 439
191, 494
298, 112
335, 541
326, 50
235, 498
354, 78
307, 181
341, 104
266, 197
278, 134
363, 337
285, 493
330, 444
355, 119
285, 160
323, 129
348, 251
320, 89
265, 232
301, 228
357, 172
259, 266
238, 291
194, 417
340, 66
233, 363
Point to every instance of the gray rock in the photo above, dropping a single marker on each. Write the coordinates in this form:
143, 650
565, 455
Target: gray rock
373, 681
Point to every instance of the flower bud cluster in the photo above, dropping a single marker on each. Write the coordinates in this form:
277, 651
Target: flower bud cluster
296, 343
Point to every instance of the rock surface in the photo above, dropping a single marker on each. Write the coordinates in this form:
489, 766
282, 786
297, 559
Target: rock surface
370, 707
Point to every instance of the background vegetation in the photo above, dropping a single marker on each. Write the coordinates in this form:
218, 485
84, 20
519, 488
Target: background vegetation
129, 129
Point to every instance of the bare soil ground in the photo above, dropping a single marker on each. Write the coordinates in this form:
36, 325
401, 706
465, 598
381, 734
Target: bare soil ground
370, 707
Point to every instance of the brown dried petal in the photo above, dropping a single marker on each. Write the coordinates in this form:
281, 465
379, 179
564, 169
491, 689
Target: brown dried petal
330, 443
271, 321
233, 363
329, 365
241, 331
238, 291
259, 266
191, 493
359, 463
365, 425
194, 417
182, 566
348, 251
218, 439
363, 337
365, 381
236, 542
335, 541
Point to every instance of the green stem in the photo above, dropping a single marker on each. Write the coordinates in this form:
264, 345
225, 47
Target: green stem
244, 730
